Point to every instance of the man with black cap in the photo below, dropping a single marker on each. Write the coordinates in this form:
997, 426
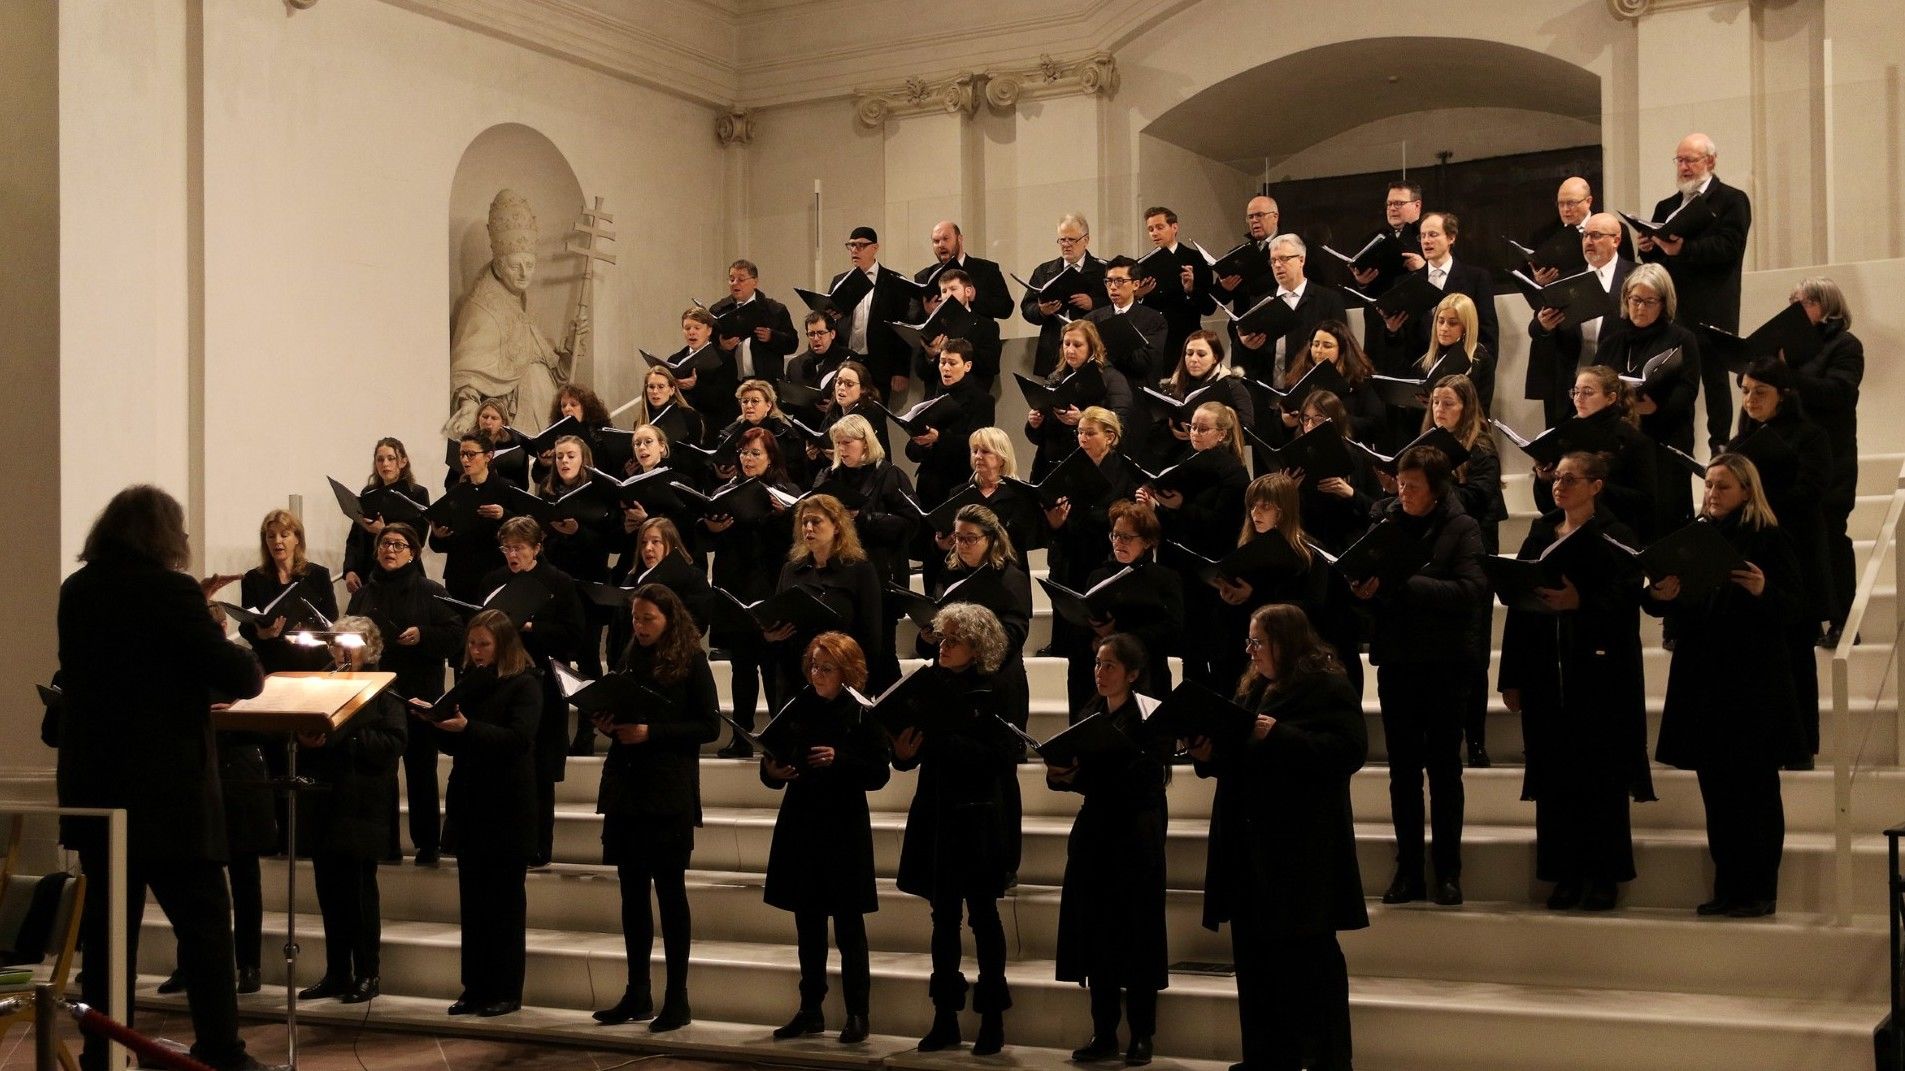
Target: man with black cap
866, 326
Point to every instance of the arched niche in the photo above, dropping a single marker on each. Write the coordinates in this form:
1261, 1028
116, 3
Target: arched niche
517, 157
1272, 113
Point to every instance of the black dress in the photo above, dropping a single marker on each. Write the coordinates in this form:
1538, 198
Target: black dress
360, 552
1828, 384
852, 589
1583, 709
748, 557
1281, 869
554, 634
1627, 349
349, 830
492, 798
1156, 618
1729, 714
1207, 523
470, 553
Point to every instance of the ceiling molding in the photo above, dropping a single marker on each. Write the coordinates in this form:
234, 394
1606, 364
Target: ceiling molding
1001, 90
1635, 10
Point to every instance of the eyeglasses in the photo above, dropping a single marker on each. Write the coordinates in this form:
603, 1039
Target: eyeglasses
1400, 204
967, 539
823, 667
1689, 161
1125, 537
1254, 644
393, 544
467, 454
1062, 240
1643, 302
1109, 281
857, 245
1565, 205
823, 333
1287, 258
1600, 236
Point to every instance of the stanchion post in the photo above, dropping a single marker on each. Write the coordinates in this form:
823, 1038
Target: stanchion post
46, 1024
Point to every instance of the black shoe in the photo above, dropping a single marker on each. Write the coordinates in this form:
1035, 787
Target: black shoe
1752, 909
1601, 896
943, 1035
1829, 638
1097, 1047
1448, 893
430, 858
737, 749
1566, 894
632, 1008
539, 862
325, 988
805, 1021
582, 749
1402, 890
1806, 763
855, 1031
673, 1016
1050, 650
1478, 758
463, 1006
173, 984
249, 980
363, 989
991, 1037
499, 1007
1719, 905
1139, 1053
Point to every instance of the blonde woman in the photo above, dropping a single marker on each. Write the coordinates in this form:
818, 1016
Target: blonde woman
1093, 381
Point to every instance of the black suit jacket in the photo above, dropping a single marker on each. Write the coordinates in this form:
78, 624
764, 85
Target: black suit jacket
888, 355
991, 298
1156, 360
1184, 310
136, 728
1554, 356
1050, 327
770, 357
1553, 226
1319, 302
1464, 278
1706, 274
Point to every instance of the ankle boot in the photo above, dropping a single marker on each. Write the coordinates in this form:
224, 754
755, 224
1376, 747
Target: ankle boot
944, 1034
991, 1037
634, 1006
674, 1012
805, 1021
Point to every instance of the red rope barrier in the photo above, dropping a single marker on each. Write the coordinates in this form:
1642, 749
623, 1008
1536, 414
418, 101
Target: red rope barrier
150, 1052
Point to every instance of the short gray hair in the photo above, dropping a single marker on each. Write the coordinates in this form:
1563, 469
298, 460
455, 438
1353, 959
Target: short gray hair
1290, 238
1074, 219
1826, 294
365, 627
1655, 278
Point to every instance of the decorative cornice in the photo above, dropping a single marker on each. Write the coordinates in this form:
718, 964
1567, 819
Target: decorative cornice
734, 127
1635, 10
959, 94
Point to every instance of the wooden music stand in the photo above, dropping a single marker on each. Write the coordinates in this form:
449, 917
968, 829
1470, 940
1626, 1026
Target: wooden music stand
293, 703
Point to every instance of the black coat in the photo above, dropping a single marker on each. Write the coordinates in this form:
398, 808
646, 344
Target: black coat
956, 835
357, 767
1828, 384
821, 858
990, 299
1730, 687
251, 815
402, 599
1158, 630
681, 423
853, 589
1184, 310
1046, 357
491, 800
680, 576
471, 553
1152, 439
135, 730
1627, 350
1319, 302
986, 350
1054, 439
258, 587
1336, 523
1078, 546
886, 522
1405, 346
947, 463
555, 633
584, 555
1017, 507
1795, 481
1479, 486
712, 396
1211, 517
1706, 274
1153, 360
1007, 592
1430, 617
770, 357
887, 353
1282, 835
790, 441
1111, 908
1583, 697
659, 781
1555, 356
748, 557
360, 551
1633, 477
1316, 589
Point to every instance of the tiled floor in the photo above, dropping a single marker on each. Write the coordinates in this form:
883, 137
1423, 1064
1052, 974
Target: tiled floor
325, 1048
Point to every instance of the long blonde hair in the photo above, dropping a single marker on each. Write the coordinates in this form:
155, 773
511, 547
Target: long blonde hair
1464, 309
1227, 423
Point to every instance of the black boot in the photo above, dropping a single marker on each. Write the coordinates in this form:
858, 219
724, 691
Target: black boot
856, 1029
805, 1021
1102, 1045
250, 980
944, 1034
635, 1006
674, 1012
738, 748
990, 998
991, 1036
173, 984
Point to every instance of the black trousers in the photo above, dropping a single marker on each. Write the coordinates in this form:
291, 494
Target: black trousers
1475, 710
1582, 829
353, 928
1422, 710
421, 791
545, 819
638, 924
248, 910
192, 894
495, 908
1717, 386
1840, 569
947, 985
754, 669
1292, 999
1746, 830
850, 934
1141, 1004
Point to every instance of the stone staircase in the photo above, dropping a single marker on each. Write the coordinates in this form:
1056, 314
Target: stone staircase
1497, 983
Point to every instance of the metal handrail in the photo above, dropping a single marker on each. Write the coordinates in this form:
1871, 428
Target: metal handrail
1842, 767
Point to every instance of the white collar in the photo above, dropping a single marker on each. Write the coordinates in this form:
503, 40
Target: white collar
1300, 287
1447, 263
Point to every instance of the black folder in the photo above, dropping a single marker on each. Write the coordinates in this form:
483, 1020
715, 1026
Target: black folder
942, 517
1114, 596
289, 604
1580, 297
1440, 438
922, 700
656, 490
1076, 478
688, 364
1570, 435
545, 440
921, 416
1245, 260
745, 500
1188, 477
1266, 553
1270, 316
1790, 330
518, 598
1322, 376
797, 606
625, 699
1413, 294
1081, 388
1382, 252
1062, 287
737, 321
1320, 452
1660, 366
1194, 709
1121, 336
1690, 217
1094, 738
1385, 552
586, 504
1698, 554
845, 296
1561, 252
951, 319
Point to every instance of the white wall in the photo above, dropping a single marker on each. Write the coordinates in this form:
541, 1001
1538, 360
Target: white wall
1412, 140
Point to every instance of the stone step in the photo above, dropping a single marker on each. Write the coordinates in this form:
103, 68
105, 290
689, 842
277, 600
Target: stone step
1645, 948
1418, 1023
1498, 860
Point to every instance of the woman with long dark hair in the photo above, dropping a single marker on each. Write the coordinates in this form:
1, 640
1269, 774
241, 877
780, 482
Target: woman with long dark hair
1281, 866
390, 468
1333, 342
1111, 933
491, 737
820, 864
1166, 442
650, 798
748, 555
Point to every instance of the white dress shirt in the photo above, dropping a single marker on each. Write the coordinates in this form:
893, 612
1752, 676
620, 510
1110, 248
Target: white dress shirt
863, 312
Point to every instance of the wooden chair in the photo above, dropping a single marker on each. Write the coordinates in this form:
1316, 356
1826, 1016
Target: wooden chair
58, 935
